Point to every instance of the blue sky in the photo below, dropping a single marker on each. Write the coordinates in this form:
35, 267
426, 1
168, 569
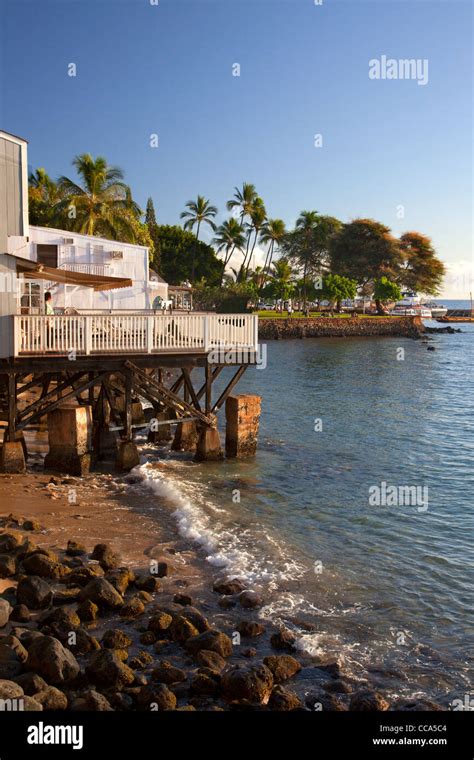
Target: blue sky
167, 69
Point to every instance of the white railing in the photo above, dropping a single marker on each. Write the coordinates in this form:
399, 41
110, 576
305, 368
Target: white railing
98, 269
133, 333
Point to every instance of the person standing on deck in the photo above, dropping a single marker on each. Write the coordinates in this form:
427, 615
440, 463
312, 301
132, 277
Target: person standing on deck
48, 306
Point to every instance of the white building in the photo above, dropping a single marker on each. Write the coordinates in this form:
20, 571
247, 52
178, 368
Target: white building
88, 254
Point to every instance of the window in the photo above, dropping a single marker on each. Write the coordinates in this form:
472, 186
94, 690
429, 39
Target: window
47, 255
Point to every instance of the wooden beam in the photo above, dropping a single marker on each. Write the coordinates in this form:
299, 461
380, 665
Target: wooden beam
54, 405
10, 433
55, 392
127, 433
188, 385
208, 383
215, 374
226, 392
37, 380
167, 397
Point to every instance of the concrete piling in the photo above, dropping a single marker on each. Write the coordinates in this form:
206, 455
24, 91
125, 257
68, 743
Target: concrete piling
70, 439
242, 423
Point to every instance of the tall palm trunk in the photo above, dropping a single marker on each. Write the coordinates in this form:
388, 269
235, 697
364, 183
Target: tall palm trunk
194, 253
242, 266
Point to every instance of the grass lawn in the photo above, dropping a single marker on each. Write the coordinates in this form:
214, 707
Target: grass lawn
299, 314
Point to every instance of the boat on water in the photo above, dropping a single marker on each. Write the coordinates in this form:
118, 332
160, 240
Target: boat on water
437, 309
411, 306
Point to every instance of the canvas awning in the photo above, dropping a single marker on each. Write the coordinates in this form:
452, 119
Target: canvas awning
37, 271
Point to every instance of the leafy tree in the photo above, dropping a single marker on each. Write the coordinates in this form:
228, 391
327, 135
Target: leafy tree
244, 201
365, 250
181, 255
103, 203
229, 236
153, 230
273, 233
258, 216
199, 212
385, 290
337, 288
43, 197
280, 284
307, 246
421, 270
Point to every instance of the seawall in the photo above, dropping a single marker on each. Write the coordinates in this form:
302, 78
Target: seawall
339, 327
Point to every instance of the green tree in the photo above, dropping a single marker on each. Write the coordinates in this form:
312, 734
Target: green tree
258, 216
365, 251
199, 212
421, 270
181, 255
337, 288
307, 246
153, 230
385, 290
244, 202
43, 198
272, 233
102, 203
229, 237
280, 283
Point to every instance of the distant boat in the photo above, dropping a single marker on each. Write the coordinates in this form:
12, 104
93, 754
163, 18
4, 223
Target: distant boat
411, 306
437, 309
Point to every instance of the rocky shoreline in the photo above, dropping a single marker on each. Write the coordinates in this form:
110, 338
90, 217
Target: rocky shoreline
82, 630
345, 327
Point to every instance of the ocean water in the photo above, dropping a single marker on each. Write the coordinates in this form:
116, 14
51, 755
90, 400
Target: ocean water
387, 586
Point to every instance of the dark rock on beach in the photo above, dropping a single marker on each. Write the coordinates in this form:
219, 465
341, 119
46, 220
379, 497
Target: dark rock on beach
48, 658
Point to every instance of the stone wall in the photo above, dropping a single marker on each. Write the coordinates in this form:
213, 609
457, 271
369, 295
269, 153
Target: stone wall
339, 327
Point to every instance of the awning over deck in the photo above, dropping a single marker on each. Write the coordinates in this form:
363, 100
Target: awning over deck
37, 271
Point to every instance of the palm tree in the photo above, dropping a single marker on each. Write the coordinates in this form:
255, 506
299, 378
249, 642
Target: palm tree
44, 196
273, 232
103, 202
258, 216
230, 235
245, 201
199, 212
281, 276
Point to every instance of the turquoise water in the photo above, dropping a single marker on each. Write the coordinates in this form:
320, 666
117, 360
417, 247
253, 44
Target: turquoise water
389, 587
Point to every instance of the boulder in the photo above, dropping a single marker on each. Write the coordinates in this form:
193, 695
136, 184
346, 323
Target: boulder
31, 705
44, 567
48, 657
161, 621
148, 583
183, 599
168, 673
102, 593
115, 638
156, 697
214, 641
20, 614
5, 612
228, 587
83, 575
9, 542
107, 558
181, 629
120, 578
31, 683
51, 698
34, 592
252, 683
7, 565
75, 549
205, 685
250, 629
106, 670
13, 655
284, 699
196, 618
87, 611
10, 689
250, 600
63, 619
283, 666
132, 608
368, 701
211, 660
91, 701
283, 640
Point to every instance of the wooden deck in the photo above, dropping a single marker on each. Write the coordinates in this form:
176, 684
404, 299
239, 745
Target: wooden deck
132, 334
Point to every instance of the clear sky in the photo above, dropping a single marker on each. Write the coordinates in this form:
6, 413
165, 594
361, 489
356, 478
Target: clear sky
167, 69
